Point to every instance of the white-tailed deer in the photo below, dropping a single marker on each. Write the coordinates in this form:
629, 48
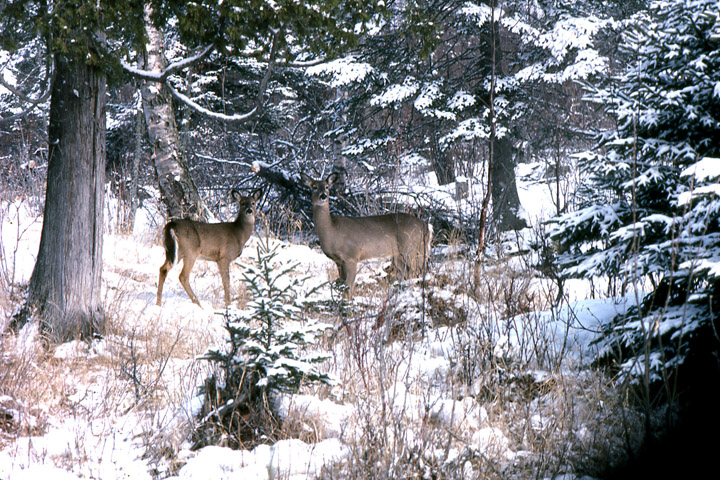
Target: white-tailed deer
220, 242
349, 240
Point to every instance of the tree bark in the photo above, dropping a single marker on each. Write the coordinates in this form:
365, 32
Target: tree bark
505, 200
177, 188
506, 203
137, 155
65, 283
442, 164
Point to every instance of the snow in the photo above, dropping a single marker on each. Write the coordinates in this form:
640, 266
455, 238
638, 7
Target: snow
19, 224
111, 433
343, 71
686, 197
285, 459
570, 33
480, 13
395, 94
7, 74
704, 170
332, 417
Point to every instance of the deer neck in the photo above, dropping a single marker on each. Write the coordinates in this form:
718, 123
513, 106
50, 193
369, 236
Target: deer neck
323, 221
243, 220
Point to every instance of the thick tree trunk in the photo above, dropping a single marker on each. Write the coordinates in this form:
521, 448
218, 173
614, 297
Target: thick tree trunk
65, 283
505, 200
177, 188
506, 203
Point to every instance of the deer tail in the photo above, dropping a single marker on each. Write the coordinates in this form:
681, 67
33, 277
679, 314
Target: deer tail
428, 238
170, 243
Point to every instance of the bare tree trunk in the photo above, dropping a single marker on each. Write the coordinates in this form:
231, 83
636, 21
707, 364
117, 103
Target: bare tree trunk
177, 188
65, 283
506, 203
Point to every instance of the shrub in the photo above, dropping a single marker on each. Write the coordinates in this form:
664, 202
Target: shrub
265, 355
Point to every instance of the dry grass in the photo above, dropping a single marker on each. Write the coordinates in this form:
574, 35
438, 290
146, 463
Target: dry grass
130, 386
463, 422
458, 420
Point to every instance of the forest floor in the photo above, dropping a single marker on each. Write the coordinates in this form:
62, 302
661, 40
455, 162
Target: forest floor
437, 377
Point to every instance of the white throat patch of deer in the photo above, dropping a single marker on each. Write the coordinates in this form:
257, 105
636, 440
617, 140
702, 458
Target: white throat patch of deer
222, 243
349, 240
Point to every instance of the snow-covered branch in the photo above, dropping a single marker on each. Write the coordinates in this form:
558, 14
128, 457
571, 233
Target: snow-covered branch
309, 63
170, 69
209, 113
33, 102
162, 77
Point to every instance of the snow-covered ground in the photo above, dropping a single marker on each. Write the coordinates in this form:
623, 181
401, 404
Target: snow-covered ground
87, 418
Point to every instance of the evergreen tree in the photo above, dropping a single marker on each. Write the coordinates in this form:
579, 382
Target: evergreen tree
445, 79
85, 43
652, 216
265, 354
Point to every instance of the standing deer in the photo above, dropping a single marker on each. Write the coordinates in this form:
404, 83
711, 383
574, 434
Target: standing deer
348, 240
219, 242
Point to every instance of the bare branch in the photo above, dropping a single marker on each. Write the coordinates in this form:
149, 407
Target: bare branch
174, 67
33, 102
209, 113
266, 77
162, 77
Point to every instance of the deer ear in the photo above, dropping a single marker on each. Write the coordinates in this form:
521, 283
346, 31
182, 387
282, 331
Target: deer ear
257, 194
331, 178
235, 195
306, 180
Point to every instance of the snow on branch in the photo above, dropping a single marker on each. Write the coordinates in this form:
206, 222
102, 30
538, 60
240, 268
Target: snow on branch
162, 77
32, 102
342, 71
209, 113
706, 169
303, 64
170, 69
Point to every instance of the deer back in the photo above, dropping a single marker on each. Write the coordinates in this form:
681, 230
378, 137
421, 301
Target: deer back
360, 238
215, 241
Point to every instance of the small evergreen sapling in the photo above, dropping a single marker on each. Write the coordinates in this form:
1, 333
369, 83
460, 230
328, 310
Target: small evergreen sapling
265, 354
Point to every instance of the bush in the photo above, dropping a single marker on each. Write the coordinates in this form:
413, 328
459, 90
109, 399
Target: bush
265, 355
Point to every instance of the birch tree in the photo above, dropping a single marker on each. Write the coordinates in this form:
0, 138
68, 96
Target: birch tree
177, 188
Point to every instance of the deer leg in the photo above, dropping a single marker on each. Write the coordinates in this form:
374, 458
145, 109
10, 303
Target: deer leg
341, 271
188, 263
350, 271
164, 269
401, 266
224, 268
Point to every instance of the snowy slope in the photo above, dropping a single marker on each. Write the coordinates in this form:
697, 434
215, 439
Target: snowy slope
93, 424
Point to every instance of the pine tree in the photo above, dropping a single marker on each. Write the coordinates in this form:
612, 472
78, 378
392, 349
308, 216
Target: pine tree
265, 352
653, 209
445, 79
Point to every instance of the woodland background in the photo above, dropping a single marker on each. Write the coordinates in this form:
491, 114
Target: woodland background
115, 118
